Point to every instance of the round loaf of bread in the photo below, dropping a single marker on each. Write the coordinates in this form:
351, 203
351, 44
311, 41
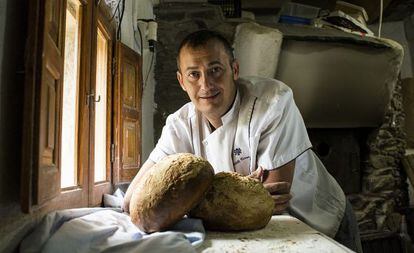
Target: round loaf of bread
169, 190
235, 202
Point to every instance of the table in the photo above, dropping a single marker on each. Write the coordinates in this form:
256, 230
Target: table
283, 233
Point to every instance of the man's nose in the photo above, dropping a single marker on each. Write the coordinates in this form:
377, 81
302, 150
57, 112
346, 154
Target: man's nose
205, 82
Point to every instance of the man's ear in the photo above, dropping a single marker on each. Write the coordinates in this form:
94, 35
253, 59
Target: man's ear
235, 67
180, 80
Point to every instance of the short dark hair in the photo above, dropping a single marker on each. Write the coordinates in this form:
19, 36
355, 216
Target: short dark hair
200, 38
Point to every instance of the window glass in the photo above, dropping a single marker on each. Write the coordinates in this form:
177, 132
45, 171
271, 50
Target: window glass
101, 107
70, 101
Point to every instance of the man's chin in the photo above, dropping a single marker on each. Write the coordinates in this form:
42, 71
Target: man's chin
208, 110
208, 103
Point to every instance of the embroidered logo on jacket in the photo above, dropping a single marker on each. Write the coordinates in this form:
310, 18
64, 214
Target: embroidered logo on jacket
237, 151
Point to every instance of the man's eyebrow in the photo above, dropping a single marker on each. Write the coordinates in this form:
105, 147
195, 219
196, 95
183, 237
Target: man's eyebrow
191, 68
209, 64
215, 62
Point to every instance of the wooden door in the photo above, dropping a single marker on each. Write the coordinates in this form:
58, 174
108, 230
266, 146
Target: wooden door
40, 174
42, 156
48, 176
127, 114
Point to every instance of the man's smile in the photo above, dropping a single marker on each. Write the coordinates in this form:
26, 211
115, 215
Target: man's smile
210, 96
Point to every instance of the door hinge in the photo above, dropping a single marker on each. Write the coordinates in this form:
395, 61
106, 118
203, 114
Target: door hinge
112, 152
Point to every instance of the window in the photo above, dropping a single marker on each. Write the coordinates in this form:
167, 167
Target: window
70, 97
100, 94
100, 107
71, 137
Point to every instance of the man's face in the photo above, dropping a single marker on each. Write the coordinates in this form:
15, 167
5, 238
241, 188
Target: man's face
208, 77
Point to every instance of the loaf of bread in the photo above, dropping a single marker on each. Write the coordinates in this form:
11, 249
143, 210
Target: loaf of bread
169, 190
235, 202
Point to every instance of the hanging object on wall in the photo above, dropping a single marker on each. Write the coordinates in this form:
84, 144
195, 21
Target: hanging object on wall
152, 34
230, 8
148, 32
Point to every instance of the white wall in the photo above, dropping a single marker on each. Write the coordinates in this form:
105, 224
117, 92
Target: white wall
134, 10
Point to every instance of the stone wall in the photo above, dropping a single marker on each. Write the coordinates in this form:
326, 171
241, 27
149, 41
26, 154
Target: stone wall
408, 104
384, 189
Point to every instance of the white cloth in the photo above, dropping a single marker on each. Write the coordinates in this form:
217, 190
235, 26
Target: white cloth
105, 230
263, 128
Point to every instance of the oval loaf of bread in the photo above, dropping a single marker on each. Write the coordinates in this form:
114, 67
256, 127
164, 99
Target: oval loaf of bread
235, 202
169, 190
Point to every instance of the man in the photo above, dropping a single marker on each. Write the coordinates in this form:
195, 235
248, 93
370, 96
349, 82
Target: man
251, 126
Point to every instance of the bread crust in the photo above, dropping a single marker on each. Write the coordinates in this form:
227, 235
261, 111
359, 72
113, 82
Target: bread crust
235, 203
169, 190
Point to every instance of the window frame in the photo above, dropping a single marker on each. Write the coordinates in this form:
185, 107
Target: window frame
80, 195
103, 22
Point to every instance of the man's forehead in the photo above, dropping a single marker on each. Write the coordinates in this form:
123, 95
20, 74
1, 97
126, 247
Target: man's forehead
207, 54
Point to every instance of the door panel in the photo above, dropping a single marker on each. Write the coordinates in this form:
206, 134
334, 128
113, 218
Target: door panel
53, 20
48, 173
131, 134
129, 87
127, 114
42, 142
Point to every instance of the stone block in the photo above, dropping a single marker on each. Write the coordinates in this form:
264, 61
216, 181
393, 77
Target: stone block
380, 221
170, 15
393, 222
379, 183
408, 104
367, 225
384, 171
380, 161
204, 14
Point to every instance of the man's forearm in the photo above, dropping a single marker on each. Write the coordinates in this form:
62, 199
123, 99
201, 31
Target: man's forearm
278, 182
283, 173
135, 182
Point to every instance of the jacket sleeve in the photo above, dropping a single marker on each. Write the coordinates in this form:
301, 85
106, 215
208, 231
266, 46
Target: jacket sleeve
282, 136
175, 138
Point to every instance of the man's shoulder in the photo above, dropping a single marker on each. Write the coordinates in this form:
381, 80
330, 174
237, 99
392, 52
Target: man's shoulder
266, 89
183, 114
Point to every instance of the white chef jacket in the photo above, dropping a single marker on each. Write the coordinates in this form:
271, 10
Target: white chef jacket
262, 128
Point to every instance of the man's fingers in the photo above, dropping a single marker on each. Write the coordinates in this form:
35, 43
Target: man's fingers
278, 190
257, 174
125, 206
281, 199
280, 195
281, 203
279, 209
278, 187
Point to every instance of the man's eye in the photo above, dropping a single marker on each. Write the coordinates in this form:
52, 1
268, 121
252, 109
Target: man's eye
194, 75
216, 71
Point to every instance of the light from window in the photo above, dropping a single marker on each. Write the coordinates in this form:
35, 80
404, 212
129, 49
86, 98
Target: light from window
101, 107
69, 141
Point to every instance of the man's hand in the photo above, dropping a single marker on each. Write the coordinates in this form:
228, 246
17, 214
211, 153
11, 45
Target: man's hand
280, 190
257, 174
280, 194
